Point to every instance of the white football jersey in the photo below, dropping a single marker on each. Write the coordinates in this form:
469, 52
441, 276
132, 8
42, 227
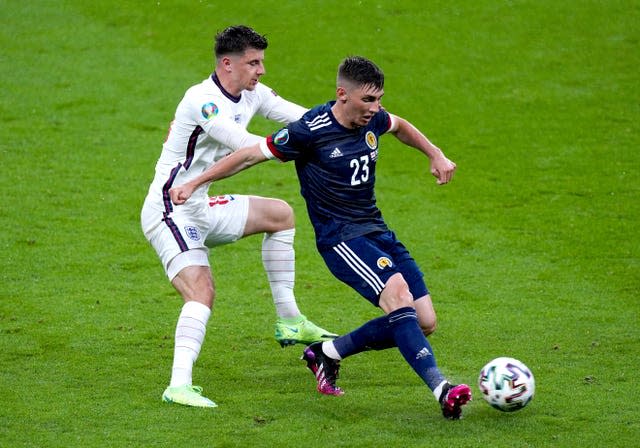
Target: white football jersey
209, 124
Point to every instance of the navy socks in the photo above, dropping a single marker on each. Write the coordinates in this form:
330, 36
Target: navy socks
398, 329
373, 335
414, 346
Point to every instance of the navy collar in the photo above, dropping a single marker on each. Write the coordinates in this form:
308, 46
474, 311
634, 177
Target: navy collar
235, 99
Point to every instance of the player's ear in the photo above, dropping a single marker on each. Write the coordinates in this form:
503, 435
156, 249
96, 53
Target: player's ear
341, 94
225, 61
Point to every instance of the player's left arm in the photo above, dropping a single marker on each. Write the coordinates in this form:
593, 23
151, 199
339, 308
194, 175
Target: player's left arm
441, 167
276, 108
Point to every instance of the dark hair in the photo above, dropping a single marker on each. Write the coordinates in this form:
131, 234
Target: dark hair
237, 39
361, 71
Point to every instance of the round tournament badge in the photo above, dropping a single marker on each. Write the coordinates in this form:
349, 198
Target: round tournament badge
209, 110
281, 137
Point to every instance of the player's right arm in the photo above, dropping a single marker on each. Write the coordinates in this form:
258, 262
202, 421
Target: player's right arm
441, 167
228, 166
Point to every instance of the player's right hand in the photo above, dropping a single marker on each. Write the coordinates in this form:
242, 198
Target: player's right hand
180, 194
443, 169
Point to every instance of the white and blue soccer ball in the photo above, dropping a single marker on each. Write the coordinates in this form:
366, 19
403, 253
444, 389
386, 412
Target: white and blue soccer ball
507, 384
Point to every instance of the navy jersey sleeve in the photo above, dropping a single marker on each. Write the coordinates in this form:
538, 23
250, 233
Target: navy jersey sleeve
382, 121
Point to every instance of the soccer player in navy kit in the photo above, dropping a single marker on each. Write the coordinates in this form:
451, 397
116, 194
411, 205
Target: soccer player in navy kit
335, 149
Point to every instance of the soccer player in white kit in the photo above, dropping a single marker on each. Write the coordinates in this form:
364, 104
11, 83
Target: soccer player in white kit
210, 122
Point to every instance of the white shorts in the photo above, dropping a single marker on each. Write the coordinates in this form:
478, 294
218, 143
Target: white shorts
192, 228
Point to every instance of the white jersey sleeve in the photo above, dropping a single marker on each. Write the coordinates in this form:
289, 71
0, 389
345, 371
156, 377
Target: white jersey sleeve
276, 108
229, 134
229, 127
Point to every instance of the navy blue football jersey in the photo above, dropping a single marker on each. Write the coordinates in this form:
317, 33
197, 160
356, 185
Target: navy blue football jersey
336, 168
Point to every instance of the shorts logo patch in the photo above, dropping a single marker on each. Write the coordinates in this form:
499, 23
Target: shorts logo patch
372, 141
209, 110
192, 232
384, 262
281, 137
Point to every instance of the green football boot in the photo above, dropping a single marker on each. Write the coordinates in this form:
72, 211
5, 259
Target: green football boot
187, 395
300, 330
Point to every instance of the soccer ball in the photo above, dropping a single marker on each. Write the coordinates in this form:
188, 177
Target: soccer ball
506, 384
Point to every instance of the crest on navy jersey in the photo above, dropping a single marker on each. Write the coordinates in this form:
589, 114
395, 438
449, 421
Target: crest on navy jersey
370, 138
192, 232
281, 137
384, 262
209, 110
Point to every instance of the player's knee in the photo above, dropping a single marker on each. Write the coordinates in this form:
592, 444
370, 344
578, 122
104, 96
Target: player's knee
277, 215
203, 293
210, 293
195, 283
283, 214
268, 215
396, 294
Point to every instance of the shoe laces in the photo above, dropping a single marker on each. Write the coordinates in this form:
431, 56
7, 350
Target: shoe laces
196, 389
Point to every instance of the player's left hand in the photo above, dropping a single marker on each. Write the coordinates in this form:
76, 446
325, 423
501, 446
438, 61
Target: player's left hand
443, 169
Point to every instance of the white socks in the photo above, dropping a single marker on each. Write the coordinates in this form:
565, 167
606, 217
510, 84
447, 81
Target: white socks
190, 331
329, 349
279, 261
438, 390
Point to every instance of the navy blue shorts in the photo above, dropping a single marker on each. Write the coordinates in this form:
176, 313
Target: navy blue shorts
366, 263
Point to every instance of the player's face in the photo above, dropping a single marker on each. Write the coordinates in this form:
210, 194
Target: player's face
246, 69
361, 104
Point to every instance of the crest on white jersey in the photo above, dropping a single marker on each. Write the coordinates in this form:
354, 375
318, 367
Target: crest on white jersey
209, 110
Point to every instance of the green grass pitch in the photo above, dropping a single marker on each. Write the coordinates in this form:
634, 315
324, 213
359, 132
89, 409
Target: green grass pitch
532, 251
